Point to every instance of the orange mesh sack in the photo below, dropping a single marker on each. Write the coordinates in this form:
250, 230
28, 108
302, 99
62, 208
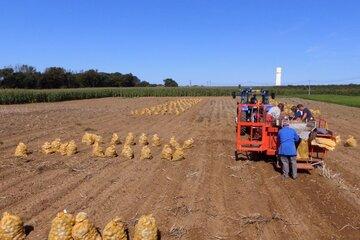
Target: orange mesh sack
303, 150
178, 154
84, 229
143, 139
351, 142
130, 139
63, 148
188, 143
146, 228
21, 150
111, 151
145, 153
174, 143
71, 148
114, 230
98, 151
156, 140
61, 226
97, 138
90, 138
166, 152
11, 227
127, 152
55, 145
115, 139
47, 148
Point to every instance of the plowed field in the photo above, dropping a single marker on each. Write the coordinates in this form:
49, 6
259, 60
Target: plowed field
208, 195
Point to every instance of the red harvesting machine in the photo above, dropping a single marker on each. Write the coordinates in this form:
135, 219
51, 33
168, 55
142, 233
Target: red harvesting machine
256, 131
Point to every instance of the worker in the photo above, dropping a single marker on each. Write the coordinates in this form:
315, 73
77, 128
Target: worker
253, 99
276, 111
306, 113
297, 113
287, 148
281, 106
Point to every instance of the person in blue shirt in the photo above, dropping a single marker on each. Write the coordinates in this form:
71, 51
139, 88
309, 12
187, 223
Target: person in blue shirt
287, 149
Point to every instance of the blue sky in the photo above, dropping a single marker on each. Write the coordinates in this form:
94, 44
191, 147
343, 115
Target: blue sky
225, 42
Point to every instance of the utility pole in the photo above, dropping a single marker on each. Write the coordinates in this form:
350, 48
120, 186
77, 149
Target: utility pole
309, 88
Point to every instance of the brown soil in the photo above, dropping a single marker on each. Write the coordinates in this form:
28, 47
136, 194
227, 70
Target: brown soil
208, 195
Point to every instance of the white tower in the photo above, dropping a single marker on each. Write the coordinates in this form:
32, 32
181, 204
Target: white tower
278, 76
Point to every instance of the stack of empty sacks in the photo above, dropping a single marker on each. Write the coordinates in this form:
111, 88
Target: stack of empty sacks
65, 148
327, 143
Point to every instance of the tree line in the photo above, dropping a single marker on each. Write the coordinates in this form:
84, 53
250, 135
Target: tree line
25, 76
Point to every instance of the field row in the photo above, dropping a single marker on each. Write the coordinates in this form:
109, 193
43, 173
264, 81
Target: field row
18, 96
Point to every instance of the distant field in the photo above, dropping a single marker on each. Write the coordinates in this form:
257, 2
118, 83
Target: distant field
353, 101
325, 93
17, 96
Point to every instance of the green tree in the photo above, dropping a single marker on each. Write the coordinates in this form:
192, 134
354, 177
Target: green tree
54, 77
90, 78
169, 82
25, 76
143, 84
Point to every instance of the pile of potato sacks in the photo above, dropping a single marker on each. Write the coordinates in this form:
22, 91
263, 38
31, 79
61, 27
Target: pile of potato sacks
172, 151
175, 107
55, 146
66, 226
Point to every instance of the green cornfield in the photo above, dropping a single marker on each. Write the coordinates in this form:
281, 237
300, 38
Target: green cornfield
352, 101
18, 96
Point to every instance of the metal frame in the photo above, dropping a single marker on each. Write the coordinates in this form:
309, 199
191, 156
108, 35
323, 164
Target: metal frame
262, 135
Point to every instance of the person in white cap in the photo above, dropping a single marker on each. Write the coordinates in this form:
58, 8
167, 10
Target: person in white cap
287, 149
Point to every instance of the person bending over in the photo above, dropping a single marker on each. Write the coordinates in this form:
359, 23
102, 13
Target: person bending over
297, 113
306, 113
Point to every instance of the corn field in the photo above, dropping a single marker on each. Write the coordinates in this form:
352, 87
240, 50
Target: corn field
17, 96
